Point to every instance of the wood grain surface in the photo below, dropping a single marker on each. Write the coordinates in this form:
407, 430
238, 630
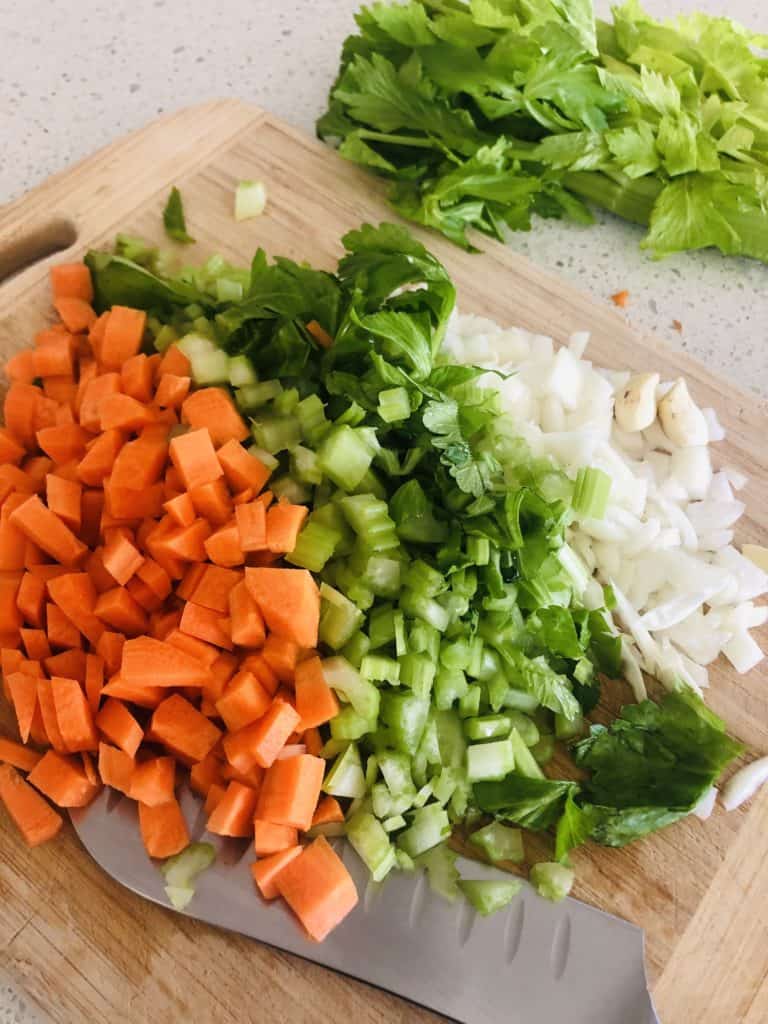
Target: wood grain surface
84, 948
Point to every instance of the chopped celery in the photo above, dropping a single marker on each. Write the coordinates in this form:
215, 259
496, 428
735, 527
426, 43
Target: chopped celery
285, 403
451, 685
469, 704
253, 396
356, 648
591, 492
313, 424
525, 763
165, 337
568, 728
228, 290
333, 748
339, 618
250, 199
382, 575
401, 645
184, 868
551, 880
395, 823
179, 896
525, 726
345, 457
405, 715
371, 843
455, 654
329, 829
500, 842
290, 490
305, 465
488, 727
429, 826
423, 795
396, 769
490, 760
423, 580
315, 545
209, 366
371, 770
263, 456
394, 405
351, 416
443, 875
276, 433
520, 701
347, 724
403, 861
425, 608
444, 785
489, 895
424, 639
375, 668
479, 550
496, 689
369, 518
347, 682
544, 750
346, 775
417, 672
385, 805
381, 626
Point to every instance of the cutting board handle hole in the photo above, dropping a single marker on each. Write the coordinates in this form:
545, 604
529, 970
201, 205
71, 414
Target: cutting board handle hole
36, 244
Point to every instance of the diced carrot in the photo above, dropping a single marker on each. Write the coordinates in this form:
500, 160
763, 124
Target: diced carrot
251, 522
269, 838
243, 497
53, 356
34, 818
241, 469
35, 644
73, 715
143, 595
110, 649
127, 505
316, 702
91, 509
94, 680
48, 531
10, 661
163, 829
233, 815
284, 523
266, 870
183, 730
121, 559
223, 546
121, 412
291, 790
150, 662
89, 769
313, 741
12, 543
77, 314
153, 781
186, 543
137, 377
10, 449
116, 723
61, 631
204, 624
70, 664
98, 462
213, 587
19, 756
63, 780
213, 798
174, 361
205, 773
253, 777
26, 410
64, 498
621, 298
117, 608
282, 656
327, 812
63, 443
194, 456
143, 696
155, 577
14, 479
271, 732
318, 888
72, 281
181, 509
256, 664
23, 691
289, 600
123, 336
48, 714
63, 390
212, 408
201, 651
222, 670
244, 701
20, 369
247, 624
116, 768
212, 501
75, 595
90, 399
140, 463
37, 467
172, 390
319, 333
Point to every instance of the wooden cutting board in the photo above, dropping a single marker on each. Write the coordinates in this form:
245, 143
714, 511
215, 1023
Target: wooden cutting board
84, 948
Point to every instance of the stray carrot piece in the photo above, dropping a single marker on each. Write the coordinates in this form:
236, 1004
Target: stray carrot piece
20, 369
116, 768
284, 522
70, 664
155, 577
256, 664
143, 696
677, 326
204, 624
75, 595
213, 797
30, 599
183, 730
17, 755
63, 780
269, 838
313, 741
116, 723
319, 333
205, 653
94, 680
266, 870
27, 410
194, 456
48, 531
205, 773
181, 509
316, 702
289, 600
212, 408
143, 595
163, 829
241, 469
34, 818
73, 715
233, 815
64, 498
153, 781
54, 358
222, 670
621, 298
247, 624
77, 314
123, 336
172, 390
328, 812
244, 701
72, 281
251, 522
212, 501
121, 559
291, 790
23, 691
318, 888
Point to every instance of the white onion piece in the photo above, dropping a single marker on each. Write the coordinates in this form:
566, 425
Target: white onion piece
706, 804
744, 784
672, 612
714, 427
743, 651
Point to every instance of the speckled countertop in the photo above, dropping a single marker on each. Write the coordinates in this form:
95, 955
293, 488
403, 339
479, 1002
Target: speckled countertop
71, 83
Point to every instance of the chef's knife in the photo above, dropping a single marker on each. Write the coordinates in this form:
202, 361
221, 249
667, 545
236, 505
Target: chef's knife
534, 963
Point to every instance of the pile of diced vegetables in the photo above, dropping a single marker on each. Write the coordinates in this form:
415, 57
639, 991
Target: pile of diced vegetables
395, 638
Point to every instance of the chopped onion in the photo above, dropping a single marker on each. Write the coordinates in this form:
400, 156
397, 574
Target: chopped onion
744, 784
742, 651
706, 805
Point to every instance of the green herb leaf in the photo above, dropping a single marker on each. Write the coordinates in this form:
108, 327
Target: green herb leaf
173, 219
